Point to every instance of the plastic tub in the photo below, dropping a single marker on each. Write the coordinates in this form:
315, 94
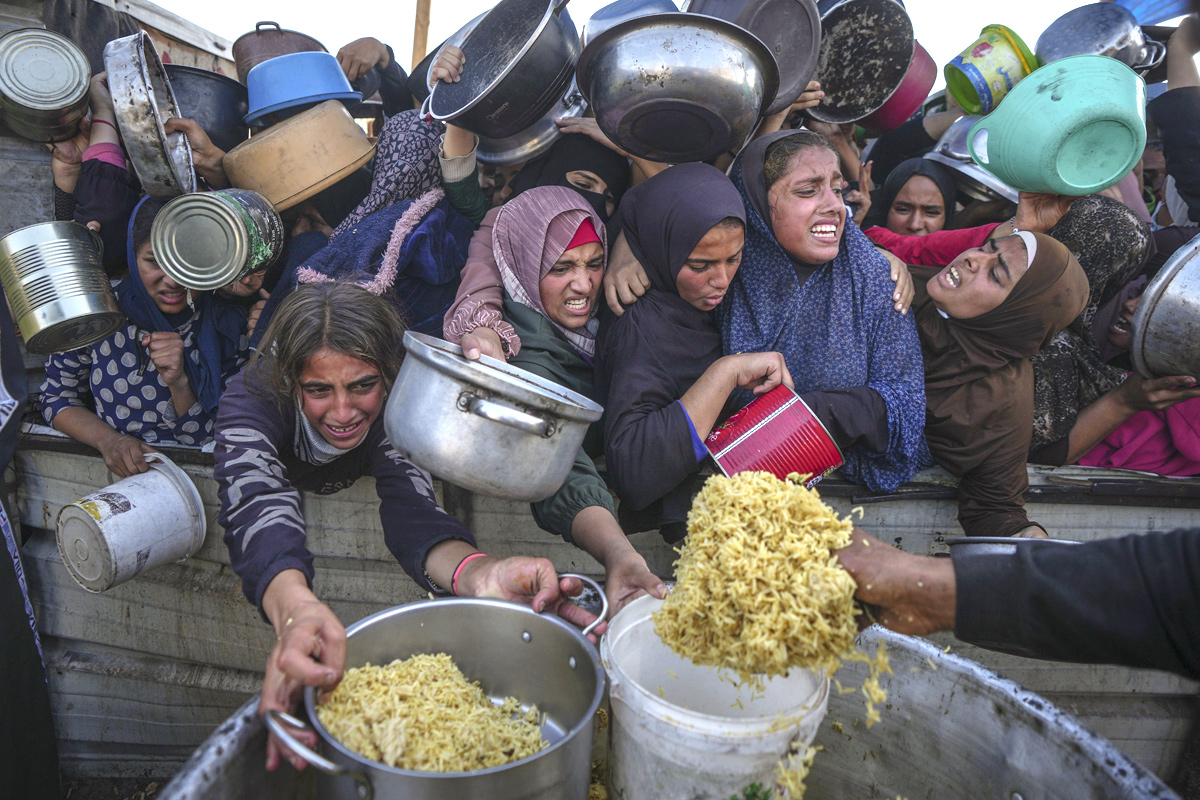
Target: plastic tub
680, 731
286, 82
980, 76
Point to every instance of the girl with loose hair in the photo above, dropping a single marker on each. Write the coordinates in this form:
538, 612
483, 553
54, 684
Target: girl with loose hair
307, 415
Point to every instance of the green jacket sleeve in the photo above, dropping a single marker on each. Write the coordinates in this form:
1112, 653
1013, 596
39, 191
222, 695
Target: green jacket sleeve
467, 198
583, 487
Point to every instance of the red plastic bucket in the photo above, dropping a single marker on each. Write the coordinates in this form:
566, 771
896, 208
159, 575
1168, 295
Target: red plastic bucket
776, 433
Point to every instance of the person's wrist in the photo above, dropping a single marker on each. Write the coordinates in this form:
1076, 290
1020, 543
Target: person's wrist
469, 576
286, 592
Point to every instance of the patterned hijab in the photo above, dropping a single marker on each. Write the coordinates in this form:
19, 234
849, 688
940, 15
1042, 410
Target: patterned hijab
531, 233
406, 165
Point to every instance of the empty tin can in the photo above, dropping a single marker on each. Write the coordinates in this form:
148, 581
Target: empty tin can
44, 81
211, 239
56, 287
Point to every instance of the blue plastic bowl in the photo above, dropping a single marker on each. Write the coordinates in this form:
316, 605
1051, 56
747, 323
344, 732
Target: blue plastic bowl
296, 79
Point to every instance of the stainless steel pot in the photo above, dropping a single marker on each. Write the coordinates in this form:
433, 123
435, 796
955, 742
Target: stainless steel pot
620, 11
44, 80
56, 287
535, 140
1166, 325
996, 545
677, 87
143, 101
791, 29
972, 179
512, 652
1102, 29
866, 49
519, 60
484, 425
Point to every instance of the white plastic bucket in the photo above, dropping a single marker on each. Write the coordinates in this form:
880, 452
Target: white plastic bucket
136, 524
678, 732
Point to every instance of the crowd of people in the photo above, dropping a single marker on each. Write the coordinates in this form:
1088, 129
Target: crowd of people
921, 327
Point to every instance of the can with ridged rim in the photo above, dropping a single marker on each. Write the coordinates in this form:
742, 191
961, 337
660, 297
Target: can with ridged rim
44, 80
208, 240
56, 287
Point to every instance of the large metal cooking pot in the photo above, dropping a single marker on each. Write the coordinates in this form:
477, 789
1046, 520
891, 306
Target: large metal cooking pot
535, 140
1166, 325
419, 80
620, 11
1100, 29
56, 287
519, 60
484, 425
909, 95
677, 87
866, 49
791, 29
143, 101
268, 40
216, 102
996, 545
972, 179
512, 652
44, 79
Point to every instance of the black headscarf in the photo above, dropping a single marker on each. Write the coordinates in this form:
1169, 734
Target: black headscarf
939, 174
572, 152
649, 356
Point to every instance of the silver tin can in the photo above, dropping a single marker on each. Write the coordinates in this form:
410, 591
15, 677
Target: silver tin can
44, 82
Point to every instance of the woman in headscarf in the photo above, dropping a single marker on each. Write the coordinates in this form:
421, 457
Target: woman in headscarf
158, 378
815, 289
917, 199
980, 320
548, 245
659, 367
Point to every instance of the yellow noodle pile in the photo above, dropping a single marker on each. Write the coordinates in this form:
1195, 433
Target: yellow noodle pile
422, 714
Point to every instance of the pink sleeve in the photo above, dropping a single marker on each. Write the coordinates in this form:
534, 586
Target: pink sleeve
1184, 421
107, 152
934, 250
480, 298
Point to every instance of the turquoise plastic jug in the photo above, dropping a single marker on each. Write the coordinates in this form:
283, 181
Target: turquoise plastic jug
1073, 127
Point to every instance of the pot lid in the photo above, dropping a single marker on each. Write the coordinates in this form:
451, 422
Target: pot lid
504, 379
42, 70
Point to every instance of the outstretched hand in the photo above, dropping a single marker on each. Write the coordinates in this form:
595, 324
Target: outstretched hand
904, 592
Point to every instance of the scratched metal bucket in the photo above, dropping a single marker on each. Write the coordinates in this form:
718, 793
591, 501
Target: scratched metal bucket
211, 239
56, 287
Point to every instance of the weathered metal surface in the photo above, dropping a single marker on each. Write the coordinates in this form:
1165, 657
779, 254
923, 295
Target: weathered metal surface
28, 195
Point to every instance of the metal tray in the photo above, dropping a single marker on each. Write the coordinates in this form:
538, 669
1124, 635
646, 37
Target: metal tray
143, 101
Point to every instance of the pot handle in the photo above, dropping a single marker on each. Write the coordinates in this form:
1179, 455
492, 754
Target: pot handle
260, 25
559, 5
272, 717
511, 417
603, 599
1158, 49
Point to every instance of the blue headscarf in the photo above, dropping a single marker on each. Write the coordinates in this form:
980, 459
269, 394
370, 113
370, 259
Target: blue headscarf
837, 331
216, 326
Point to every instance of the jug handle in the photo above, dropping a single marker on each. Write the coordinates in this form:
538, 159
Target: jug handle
498, 412
603, 599
272, 717
1153, 46
259, 26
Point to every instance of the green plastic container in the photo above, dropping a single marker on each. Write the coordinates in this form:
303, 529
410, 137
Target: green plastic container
983, 74
1074, 127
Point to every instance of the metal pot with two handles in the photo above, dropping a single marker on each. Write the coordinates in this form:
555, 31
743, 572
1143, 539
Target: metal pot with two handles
520, 59
511, 651
484, 425
1102, 29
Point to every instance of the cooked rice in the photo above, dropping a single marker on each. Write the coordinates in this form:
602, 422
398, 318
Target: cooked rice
422, 714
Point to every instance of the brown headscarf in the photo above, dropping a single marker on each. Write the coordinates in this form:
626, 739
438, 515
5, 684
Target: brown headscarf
979, 384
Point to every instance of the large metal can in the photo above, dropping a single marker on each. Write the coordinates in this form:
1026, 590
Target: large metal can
44, 82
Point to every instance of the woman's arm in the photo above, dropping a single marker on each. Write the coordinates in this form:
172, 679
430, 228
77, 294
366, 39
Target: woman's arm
704, 401
1097, 421
480, 301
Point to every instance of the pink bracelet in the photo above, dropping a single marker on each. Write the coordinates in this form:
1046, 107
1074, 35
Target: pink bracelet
458, 569
109, 124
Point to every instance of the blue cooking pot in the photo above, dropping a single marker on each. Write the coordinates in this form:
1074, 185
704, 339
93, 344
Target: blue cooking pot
297, 79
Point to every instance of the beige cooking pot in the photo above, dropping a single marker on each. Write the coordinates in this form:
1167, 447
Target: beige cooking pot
292, 161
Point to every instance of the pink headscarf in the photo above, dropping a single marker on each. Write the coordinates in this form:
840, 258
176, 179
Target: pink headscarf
531, 233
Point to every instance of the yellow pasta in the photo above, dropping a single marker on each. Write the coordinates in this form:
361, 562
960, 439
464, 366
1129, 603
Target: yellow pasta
422, 714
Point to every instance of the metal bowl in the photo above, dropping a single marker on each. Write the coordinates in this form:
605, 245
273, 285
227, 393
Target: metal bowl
1100, 29
535, 140
143, 101
972, 179
790, 28
677, 87
44, 79
56, 287
995, 545
214, 101
622, 10
1166, 325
